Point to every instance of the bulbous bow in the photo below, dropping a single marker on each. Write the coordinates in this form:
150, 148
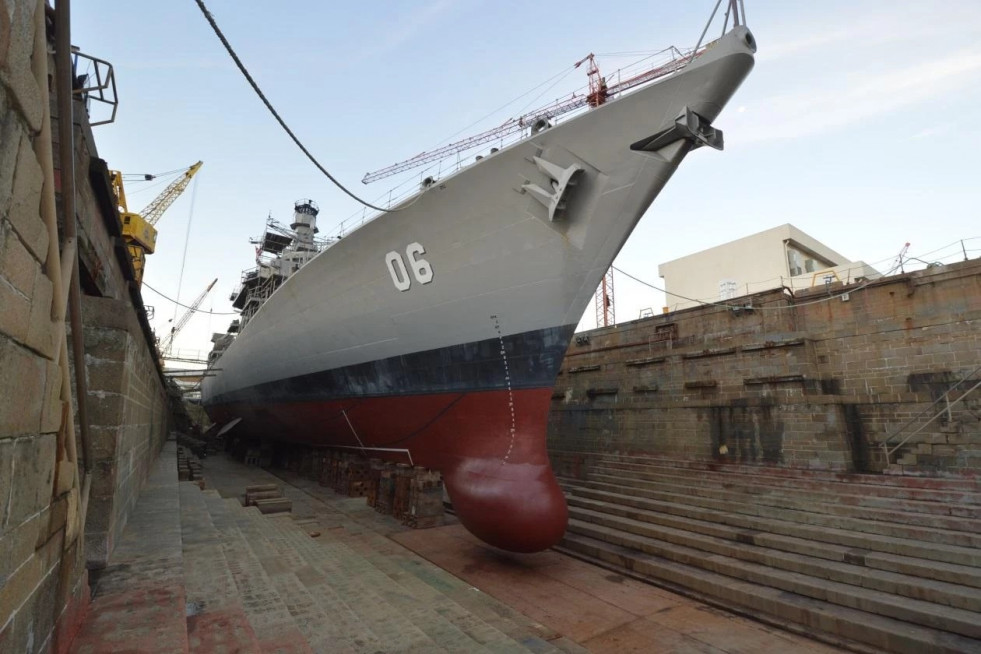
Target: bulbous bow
516, 507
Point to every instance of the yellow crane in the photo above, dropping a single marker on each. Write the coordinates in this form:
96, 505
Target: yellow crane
138, 228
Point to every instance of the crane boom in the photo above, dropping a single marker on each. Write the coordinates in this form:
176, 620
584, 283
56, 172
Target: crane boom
152, 212
597, 95
168, 341
605, 305
138, 228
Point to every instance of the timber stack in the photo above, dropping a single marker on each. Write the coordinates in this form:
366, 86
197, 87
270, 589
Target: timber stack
386, 489
268, 498
425, 499
375, 467
413, 495
400, 500
188, 465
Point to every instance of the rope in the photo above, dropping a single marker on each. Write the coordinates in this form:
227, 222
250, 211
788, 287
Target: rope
187, 240
282, 123
170, 299
764, 308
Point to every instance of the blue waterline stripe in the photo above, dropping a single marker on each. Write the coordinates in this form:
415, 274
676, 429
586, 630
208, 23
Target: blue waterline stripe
533, 361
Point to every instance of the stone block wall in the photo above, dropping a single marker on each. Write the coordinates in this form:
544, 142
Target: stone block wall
43, 581
819, 380
128, 418
126, 402
45, 544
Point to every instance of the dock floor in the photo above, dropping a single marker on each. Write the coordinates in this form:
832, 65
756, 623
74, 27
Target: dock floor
334, 575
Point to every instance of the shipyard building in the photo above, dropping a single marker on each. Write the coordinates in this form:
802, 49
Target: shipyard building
780, 257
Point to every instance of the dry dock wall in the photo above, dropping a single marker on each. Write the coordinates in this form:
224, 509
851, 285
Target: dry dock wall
127, 402
43, 550
127, 417
43, 586
812, 381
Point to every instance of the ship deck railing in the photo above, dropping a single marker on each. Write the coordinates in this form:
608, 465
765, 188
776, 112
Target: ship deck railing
413, 184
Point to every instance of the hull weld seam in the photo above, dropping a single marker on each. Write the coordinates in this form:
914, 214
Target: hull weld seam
507, 379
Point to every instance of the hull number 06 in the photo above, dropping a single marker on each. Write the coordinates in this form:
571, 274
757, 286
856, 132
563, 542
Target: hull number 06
421, 269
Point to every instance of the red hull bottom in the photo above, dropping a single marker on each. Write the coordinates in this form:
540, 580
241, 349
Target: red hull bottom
489, 446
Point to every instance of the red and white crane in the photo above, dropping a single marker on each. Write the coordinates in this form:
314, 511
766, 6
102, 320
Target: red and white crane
599, 91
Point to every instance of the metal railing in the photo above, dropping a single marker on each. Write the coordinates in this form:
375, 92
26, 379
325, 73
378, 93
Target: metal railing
948, 404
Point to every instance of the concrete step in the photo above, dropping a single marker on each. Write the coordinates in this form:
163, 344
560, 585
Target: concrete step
856, 495
944, 594
967, 542
886, 634
263, 604
890, 563
487, 621
927, 614
938, 489
827, 533
216, 617
900, 511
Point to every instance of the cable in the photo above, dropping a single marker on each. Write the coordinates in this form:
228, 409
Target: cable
152, 184
764, 308
549, 88
148, 177
282, 123
561, 73
170, 299
892, 270
187, 240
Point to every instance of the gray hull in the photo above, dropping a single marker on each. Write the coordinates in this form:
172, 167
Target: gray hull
489, 288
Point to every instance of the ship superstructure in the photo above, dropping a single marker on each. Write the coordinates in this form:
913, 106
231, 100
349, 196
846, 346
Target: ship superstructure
280, 252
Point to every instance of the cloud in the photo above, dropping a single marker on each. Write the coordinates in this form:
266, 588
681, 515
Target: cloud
781, 49
838, 100
937, 130
874, 29
407, 28
195, 63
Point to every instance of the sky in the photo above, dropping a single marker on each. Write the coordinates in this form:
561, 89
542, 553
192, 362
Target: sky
858, 124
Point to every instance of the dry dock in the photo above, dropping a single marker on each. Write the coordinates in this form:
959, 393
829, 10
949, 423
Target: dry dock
809, 459
196, 571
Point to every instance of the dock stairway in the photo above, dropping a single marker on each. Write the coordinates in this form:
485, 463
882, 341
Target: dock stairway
927, 439
869, 562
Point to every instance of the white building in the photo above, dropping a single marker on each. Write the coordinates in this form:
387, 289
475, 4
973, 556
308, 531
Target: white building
782, 256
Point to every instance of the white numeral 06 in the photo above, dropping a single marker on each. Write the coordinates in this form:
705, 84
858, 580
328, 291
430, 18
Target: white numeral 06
420, 267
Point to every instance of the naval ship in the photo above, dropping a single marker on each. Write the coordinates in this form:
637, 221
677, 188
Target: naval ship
434, 333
